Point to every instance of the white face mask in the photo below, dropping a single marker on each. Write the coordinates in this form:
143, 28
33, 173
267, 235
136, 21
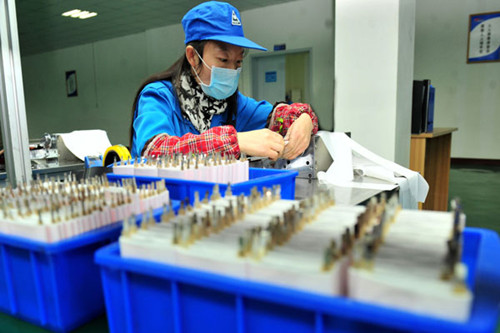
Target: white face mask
223, 81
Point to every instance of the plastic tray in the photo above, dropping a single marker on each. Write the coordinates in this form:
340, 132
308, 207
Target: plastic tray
57, 285
144, 296
180, 189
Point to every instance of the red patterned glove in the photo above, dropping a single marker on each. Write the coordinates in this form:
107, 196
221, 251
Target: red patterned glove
218, 139
285, 115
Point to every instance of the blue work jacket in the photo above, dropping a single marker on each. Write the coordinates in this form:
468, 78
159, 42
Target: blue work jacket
158, 111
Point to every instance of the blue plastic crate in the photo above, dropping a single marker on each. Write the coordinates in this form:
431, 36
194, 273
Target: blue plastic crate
57, 285
143, 296
180, 189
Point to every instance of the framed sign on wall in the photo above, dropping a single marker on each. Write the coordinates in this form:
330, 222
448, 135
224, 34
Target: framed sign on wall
71, 86
484, 38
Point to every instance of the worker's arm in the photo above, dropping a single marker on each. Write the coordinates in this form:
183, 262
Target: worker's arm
157, 112
221, 139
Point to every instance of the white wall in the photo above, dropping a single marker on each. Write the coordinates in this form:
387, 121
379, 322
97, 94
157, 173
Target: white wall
373, 72
108, 75
406, 43
300, 24
110, 72
45, 89
467, 96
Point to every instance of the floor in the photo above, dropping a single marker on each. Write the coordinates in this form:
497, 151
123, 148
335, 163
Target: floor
479, 191
477, 187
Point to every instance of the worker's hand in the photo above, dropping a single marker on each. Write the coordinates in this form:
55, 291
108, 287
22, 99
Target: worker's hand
298, 137
263, 142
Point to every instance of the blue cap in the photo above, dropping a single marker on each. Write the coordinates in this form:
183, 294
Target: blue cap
219, 21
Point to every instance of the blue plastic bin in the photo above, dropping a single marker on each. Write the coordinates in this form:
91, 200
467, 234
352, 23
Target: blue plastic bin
143, 296
58, 285
180, 189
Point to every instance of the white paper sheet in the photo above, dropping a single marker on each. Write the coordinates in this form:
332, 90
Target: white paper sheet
366, 168
412, 186
86, 142
340, 171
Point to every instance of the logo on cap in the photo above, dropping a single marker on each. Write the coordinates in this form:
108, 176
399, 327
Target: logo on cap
235, 20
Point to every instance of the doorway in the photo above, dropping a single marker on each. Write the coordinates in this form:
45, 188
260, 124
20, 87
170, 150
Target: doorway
283, 76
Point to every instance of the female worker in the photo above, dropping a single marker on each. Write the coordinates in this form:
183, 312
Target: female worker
195, 106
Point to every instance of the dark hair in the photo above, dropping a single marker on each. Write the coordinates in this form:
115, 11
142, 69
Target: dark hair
173, 74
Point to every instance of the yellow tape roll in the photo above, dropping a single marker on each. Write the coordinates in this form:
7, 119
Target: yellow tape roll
116, 152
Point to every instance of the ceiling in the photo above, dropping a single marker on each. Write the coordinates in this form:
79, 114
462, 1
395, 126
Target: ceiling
42, 28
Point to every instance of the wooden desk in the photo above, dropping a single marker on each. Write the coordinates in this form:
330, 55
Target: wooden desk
430, 155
